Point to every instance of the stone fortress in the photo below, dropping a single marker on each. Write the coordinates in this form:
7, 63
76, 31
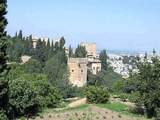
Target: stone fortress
78, 67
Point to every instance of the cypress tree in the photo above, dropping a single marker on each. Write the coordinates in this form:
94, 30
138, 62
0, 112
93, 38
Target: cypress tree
70, 51
80, 52
40, 51
20, 35
61, 43
51, 50
103, 59
3, 57
48, 46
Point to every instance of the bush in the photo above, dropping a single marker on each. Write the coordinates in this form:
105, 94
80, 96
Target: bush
132, 97
3, 115
49, 95
23, 98
30, 93
53, 97
96, 94
157, 114
118, 86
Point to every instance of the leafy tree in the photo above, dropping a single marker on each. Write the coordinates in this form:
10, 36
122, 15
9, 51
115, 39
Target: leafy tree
103, 78
148, 85
3, 59
55, 69
16, 48
49, 96
23, 98
97, 94
103, 59
28, 49
29, 93
80, 52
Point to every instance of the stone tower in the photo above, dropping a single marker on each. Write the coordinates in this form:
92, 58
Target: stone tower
90, 48
78, 71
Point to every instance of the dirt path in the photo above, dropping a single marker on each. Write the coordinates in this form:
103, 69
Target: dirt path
77, 103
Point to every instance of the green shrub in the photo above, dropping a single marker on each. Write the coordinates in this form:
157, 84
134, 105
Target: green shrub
96, 94
132, 97
30, 93
3, 115
49, 96
23, 98
118, 86
157, 114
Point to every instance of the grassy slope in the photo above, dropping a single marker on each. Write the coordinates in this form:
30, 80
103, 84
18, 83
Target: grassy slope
121, 108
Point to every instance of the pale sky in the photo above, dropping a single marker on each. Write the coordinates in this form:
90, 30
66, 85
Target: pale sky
112, 24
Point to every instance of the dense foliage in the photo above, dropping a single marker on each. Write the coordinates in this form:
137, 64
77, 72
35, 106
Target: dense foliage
97, 94
104, 78
29, 93
40, 82
33, 66
80, 52
23, 98
3, 61
147, 82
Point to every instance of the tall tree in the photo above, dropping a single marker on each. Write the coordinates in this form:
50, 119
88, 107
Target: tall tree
61, 43
40, 51
30, 46
3, 57
70, 51
154, 52
20, 34
147, 82
48, 47
80, 52
103, 59
51, 51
